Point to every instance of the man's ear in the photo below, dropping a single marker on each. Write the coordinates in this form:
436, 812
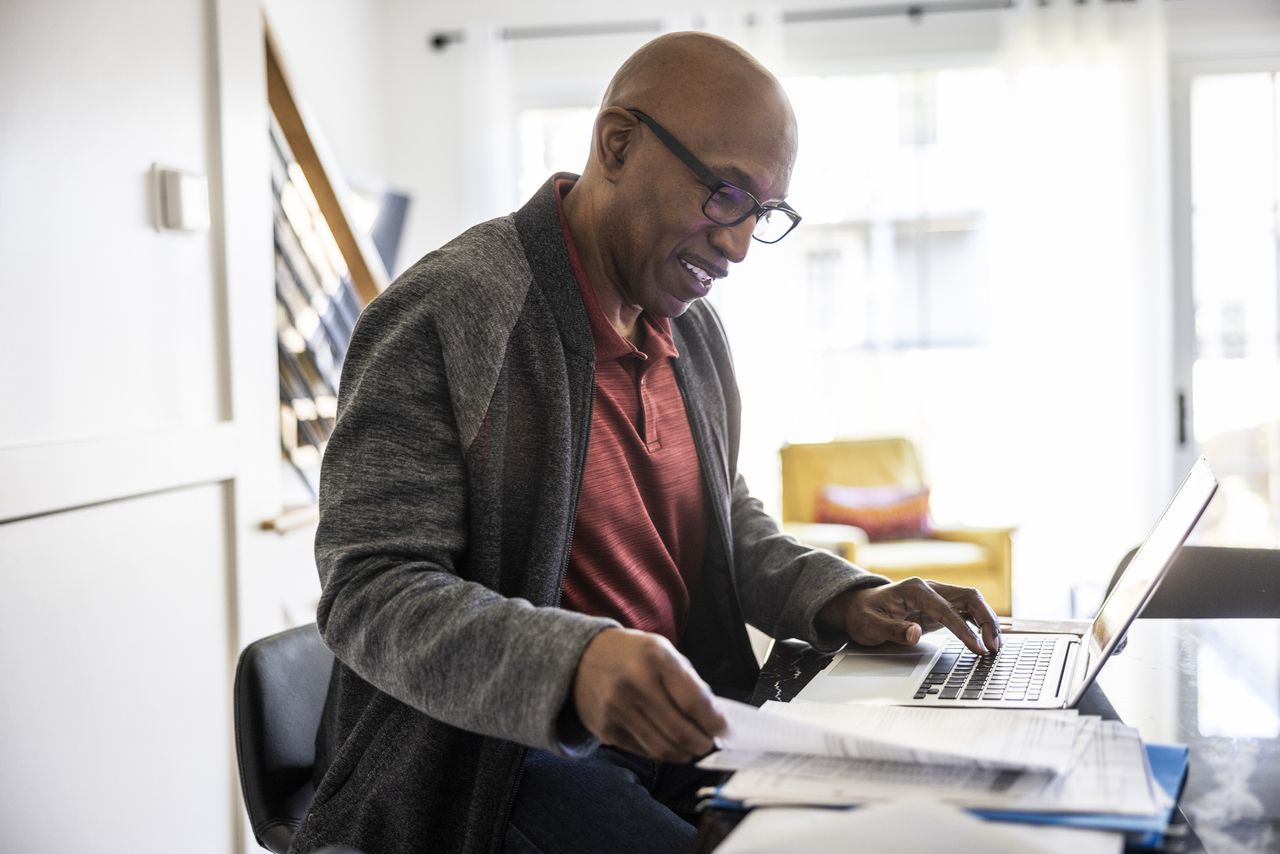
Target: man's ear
611, 143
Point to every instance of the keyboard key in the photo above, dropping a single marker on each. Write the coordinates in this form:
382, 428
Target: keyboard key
944, 663
949, 693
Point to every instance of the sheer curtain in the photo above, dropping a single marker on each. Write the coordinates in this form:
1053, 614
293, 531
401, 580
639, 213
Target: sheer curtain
1058, 415
1083, 294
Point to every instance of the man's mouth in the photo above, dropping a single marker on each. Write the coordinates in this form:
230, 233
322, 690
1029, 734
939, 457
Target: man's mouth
705, 278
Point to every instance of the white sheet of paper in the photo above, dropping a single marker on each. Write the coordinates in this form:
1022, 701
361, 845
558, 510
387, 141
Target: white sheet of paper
896, 827
1112, 776
793, 778
997, 738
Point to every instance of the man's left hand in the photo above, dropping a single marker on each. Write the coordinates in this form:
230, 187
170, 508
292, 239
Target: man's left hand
903, 611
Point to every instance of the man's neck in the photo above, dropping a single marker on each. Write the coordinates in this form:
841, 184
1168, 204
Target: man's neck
579, 209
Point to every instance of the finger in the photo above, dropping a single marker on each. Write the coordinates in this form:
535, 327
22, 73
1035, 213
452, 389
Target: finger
677, 726
875, 628
983, 616
629, 728
938, 608
650, 727
691, 696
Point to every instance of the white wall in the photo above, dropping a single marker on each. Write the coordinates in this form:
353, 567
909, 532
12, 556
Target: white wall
138, 443
333, 49
115, 635
82, 121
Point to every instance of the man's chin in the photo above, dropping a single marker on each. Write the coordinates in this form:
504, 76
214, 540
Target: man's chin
673, 308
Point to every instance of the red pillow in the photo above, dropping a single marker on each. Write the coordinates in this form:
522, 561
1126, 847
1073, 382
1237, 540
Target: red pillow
884, 512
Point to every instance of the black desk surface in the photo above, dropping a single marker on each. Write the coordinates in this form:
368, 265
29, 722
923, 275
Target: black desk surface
1213, 685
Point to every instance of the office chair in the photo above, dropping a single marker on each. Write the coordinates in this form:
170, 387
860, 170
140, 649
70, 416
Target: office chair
280, 687
1215, 582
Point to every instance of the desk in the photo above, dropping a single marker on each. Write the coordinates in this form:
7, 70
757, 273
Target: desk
1213, 685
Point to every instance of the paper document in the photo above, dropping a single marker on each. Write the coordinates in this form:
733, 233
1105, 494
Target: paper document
802, 779
1108, 773
988, 738
897, 826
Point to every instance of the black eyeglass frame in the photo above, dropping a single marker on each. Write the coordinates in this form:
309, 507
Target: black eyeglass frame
714, 183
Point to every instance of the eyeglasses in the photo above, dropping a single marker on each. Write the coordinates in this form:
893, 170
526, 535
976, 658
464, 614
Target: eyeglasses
728, 204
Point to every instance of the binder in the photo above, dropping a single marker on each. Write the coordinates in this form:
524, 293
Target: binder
1168, 766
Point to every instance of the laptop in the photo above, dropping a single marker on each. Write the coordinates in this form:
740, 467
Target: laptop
1033, 670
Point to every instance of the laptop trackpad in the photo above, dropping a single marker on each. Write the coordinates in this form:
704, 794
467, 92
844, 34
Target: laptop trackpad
879, 665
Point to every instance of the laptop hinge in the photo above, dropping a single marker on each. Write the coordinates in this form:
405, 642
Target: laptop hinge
1069, 667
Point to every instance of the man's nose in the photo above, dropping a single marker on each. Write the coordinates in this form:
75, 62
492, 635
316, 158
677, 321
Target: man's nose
733, 241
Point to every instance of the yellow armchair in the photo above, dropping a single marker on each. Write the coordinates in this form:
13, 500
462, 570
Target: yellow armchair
973, 557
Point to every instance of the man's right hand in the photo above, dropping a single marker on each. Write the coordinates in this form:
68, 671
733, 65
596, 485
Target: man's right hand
635, 691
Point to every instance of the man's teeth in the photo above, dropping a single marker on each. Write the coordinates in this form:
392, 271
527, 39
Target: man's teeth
703, 275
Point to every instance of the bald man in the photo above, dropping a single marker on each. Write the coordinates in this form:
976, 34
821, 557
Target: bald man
536, 551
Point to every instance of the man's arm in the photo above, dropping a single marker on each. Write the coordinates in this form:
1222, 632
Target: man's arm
789, 590
784, 585
392, 536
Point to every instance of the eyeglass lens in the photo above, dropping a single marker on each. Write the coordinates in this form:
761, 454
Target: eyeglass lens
729, 205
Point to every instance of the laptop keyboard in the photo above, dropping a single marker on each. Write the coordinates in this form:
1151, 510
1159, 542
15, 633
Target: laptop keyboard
1016, 672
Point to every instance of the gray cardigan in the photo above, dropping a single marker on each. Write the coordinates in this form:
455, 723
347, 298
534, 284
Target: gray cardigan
447, 502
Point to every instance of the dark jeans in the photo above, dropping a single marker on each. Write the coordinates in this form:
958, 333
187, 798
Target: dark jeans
612, 801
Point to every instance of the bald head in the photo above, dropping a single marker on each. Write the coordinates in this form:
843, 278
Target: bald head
701, 84
692, 67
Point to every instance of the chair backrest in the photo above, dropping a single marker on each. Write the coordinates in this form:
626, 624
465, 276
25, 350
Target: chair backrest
1215, 582
280, 688
806, 468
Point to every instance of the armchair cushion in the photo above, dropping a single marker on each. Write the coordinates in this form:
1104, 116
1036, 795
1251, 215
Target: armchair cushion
926, 558
884, 512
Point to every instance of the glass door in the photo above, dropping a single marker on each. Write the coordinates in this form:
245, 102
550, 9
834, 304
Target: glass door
1228, 328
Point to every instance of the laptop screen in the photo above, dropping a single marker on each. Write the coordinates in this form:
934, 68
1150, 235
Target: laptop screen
1140, 579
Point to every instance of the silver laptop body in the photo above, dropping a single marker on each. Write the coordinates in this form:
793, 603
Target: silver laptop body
1033, 670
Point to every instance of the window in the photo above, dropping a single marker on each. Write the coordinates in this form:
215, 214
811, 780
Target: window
892, 188
1235, 372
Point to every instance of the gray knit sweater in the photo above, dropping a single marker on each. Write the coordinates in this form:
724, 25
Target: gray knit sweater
448, 497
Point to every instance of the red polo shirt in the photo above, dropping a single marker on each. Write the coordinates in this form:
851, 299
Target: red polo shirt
640, 532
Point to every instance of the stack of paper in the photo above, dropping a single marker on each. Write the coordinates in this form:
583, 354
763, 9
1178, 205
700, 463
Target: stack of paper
992, 759
891, 827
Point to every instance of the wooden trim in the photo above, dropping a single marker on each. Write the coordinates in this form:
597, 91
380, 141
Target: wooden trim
327, 184
65, 475
293, 519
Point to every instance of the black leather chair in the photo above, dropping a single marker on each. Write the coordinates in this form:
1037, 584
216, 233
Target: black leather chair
1215, 582
281, 682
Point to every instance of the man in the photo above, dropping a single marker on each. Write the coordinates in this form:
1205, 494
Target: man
533, 539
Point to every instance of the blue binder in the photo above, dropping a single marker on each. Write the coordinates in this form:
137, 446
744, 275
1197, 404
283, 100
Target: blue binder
1168, 766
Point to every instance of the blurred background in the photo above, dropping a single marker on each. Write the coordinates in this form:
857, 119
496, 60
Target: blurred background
1039, 242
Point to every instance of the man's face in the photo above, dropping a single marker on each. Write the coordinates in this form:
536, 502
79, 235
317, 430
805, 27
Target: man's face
669, 253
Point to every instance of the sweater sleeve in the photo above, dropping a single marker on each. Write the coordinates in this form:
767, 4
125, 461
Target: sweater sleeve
784, 584
393, 536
